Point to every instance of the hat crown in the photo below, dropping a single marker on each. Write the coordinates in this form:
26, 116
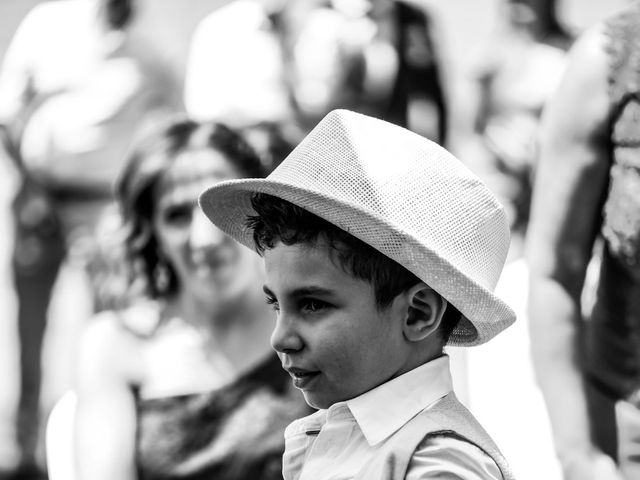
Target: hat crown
417, 186
400, 193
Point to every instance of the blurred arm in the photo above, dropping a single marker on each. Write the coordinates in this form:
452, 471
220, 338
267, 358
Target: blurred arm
16, 82
569, 189
105, 424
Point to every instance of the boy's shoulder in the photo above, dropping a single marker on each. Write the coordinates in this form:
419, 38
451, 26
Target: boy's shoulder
443, 436
441, 454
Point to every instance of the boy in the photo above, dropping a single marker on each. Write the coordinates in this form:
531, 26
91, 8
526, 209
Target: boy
380, 248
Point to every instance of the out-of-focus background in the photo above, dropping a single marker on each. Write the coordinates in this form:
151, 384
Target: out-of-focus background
496, 381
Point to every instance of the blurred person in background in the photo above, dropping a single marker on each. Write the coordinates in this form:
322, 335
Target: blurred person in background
584, 255
74, 85
513, 73
377, 57
235, 69
236, 74
183, 383
291, 62
516, 71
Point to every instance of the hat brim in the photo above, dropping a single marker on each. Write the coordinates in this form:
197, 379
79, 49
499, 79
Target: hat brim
484, 315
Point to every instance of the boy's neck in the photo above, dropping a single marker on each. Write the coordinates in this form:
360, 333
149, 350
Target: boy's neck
423, 352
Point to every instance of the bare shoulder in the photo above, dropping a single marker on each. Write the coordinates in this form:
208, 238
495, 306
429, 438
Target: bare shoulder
102, 332
112, 343
583, 95
105, 347
591, 42
575, 122
589, 57
133, 324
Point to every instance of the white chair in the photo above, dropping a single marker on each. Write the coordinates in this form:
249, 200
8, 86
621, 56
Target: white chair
59, 438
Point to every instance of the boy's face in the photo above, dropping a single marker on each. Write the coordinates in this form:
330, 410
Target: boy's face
329, 333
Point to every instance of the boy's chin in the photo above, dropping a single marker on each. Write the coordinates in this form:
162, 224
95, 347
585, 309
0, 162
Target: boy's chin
319, 402
313, 403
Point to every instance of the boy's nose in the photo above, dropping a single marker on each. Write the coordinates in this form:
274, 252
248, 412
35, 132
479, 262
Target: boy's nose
204, 233
284, 338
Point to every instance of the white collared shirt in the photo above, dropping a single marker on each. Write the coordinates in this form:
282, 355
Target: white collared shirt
334, 444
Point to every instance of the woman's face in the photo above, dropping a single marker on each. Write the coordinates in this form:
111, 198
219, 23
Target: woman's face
209, 264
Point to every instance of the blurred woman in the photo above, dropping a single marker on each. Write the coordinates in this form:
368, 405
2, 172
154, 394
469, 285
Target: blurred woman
184, 383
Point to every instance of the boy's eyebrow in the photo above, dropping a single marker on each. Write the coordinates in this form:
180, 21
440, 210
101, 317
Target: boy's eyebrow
310, 290
302, 291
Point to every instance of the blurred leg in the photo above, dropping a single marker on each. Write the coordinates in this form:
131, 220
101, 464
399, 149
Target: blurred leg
37, 255
628, 422
603, 419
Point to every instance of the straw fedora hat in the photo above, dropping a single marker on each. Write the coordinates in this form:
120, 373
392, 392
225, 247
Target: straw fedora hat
402, 194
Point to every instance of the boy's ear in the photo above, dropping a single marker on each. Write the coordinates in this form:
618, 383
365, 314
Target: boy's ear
424, 313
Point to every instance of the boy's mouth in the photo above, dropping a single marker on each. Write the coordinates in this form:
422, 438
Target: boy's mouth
301, 377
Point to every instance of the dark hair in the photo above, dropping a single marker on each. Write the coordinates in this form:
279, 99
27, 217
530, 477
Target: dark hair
135, 189
273, 141
117, 14
278, 220
550, 30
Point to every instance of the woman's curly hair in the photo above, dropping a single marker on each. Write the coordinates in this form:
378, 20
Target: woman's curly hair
135, 190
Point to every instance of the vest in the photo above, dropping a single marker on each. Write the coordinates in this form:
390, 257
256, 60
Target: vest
448, 417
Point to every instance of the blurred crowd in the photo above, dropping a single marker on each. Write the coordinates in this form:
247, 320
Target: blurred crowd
135, 318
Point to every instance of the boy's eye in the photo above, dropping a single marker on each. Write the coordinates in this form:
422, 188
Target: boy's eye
313, 305
178, 214
273, 302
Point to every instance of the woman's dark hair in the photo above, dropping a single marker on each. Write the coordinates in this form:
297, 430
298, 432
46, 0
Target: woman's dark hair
550, 29
117, 14
278, 220
135, 190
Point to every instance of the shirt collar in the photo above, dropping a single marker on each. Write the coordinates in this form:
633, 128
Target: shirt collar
385, 409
